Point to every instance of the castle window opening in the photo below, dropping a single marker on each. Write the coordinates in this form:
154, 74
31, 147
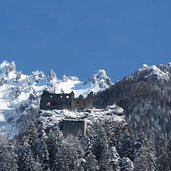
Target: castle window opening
67, 97
48, 103
61, 97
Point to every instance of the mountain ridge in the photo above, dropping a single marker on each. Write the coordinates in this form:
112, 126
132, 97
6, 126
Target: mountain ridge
129, 126
18, 90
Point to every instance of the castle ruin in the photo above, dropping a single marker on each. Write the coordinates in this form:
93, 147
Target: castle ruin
51, 101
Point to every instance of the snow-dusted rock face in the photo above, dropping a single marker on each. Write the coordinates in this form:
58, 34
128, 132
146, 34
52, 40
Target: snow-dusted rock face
18, 91
7, 69
114, 113
155, 72
101, 79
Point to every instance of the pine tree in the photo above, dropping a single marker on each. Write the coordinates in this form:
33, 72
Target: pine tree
8, 158
26, 159
145, 160
42, 151
104, 161
100, 146
69, 155
164, 159
98, 139
53, 143
91, 162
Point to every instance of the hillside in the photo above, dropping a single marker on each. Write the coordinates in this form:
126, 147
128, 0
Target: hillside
129, 128
145, 98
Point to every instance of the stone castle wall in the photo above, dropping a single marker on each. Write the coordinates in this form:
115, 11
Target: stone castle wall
51, 101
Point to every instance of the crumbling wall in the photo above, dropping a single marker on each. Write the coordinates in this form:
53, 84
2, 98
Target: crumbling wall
50, 101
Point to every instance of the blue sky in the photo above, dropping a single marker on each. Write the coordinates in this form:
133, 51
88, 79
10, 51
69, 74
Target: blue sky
79, 37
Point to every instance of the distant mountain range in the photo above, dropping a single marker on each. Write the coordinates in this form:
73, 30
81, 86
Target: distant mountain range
130, 124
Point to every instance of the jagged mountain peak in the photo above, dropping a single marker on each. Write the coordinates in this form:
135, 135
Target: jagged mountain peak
154, 72
6, 64
38, 75
100, 77
99, 81
52, 76
6, 68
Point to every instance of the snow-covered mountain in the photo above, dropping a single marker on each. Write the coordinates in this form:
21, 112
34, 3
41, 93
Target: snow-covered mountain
155, 72
20, 93
134, 136
145, 97
17, 90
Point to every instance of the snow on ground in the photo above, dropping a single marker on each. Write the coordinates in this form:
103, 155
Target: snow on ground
49, 118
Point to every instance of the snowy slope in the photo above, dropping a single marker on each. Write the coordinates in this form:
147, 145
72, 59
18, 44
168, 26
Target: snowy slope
98, 82
17, 90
